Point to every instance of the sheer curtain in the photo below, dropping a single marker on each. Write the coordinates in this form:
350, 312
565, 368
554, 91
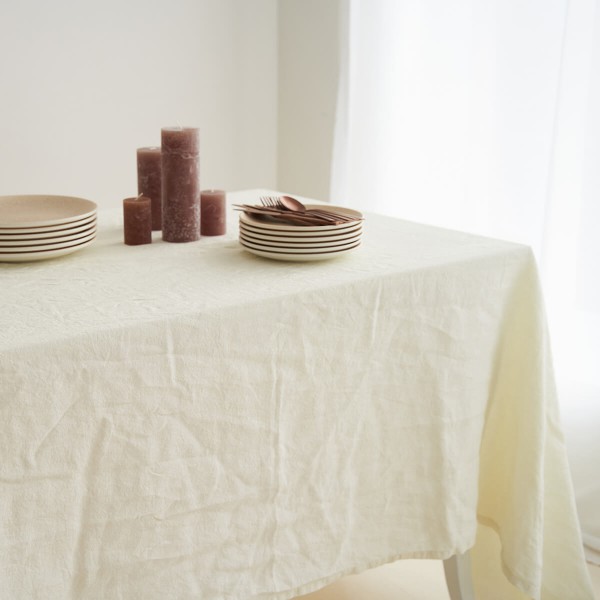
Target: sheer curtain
484, 115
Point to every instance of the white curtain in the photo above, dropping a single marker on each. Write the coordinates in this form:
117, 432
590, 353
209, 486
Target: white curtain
484, 115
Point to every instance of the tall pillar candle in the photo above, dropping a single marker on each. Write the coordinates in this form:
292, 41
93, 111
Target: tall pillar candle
149, 168
137, 221
212, 212
180, 150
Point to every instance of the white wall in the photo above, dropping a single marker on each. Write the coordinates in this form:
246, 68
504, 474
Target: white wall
309, 55
84, 83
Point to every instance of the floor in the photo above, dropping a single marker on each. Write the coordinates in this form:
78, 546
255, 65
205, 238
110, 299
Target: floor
403, 580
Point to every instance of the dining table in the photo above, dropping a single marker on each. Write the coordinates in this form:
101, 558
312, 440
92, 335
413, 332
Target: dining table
189, 421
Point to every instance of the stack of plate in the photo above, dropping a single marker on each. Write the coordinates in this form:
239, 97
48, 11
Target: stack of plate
40, 227
286, 241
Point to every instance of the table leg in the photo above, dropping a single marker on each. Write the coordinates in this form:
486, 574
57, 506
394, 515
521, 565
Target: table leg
457, 569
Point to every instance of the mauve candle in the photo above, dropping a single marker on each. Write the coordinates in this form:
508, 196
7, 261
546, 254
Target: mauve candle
137, 220
180, 184
212, 212
149, 167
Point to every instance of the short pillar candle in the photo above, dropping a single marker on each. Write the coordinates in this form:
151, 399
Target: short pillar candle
137, 220
212, 212
180, 150
149, 168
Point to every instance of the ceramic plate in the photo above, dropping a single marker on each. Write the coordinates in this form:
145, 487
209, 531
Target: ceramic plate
293, 246
301, 231
279, 236
304, 257
42, 210
43, 254
258, 222
289, 250
45, 247
42, 232
5, 245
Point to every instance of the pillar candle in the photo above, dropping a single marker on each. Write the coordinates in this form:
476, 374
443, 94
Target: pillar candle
149, 167
137, 220
180, 184
212, 212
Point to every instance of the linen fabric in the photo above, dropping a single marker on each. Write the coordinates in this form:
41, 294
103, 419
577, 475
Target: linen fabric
192, 421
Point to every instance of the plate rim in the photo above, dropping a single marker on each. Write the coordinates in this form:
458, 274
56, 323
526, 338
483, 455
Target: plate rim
341, 249
22, 231
46, 241
47, 228
92, 208
44, 255
41, 249
300, 245
298, 257
299, 235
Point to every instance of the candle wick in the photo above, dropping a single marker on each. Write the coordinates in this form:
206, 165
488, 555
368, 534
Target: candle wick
140, 196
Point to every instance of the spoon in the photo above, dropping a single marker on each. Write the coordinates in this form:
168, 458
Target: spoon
295, 206
292, 204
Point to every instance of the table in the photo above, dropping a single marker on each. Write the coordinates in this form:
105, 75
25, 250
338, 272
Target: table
191, 421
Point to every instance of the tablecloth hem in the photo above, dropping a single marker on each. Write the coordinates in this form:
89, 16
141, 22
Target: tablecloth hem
517, 580
591, 550
319, 584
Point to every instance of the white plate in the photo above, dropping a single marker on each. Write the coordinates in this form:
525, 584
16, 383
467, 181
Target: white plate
305, 257
48, 228
42, 210
289, 250
43, 255
45, 247
299, 245
43, 232
5, 245
302, 233
278, 236
256, 222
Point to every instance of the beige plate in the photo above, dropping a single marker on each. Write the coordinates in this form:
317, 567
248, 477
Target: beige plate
288, 250
279, 236
43, 254
303, 257
9, 245
36, 233
254, 221
45, 247
42, 210
302, 233
299, 246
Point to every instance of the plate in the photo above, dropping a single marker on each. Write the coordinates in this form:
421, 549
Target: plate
40, 232
301, 232
49, 241
43, 255
304, 257
293, 246
45, 247
312, 236
288, 250
42, 210
256, 222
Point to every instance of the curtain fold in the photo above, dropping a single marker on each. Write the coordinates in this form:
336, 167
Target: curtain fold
484, 116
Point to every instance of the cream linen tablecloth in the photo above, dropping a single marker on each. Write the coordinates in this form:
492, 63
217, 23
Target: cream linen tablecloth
189, 421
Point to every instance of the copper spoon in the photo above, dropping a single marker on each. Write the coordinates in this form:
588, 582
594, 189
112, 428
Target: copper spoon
296, 206
292, 204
